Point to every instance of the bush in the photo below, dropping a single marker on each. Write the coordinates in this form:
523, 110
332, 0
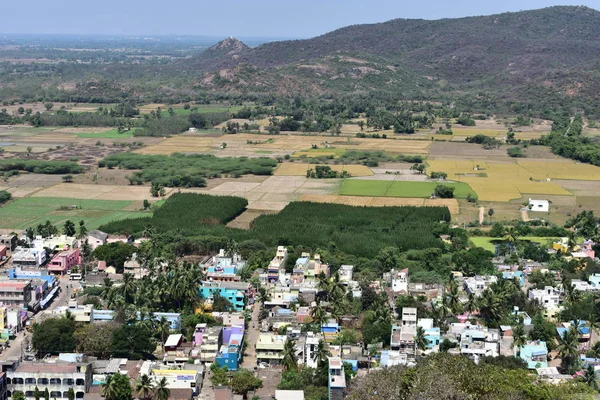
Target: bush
444, 192
515, 152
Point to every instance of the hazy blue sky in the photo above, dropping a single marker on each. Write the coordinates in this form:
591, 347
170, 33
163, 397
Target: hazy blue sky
279, 18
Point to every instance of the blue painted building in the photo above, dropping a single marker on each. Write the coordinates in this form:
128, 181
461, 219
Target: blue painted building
174, 319
535, 354
234, 292
230, 354
514, 276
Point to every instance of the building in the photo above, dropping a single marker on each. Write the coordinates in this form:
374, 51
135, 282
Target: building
534, 353
235, 292
549, 298
133, 267
399, 281
96, 238
81, 313
337, 379
478, 284
187, 378
223, 267
56, 243
432, 334
206, 342
276, 268
539, 205
345, 272
409, 316
32, 273
9, 241
230, 353
57, 376
289, 395
479, 342
34, 257
269, 348
311, 344
64, 261
15, 293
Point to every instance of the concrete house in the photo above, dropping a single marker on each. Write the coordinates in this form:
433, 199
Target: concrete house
539, 205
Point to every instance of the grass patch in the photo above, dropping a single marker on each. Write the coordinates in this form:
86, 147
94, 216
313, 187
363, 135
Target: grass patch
31, 211
110, 134
324, 152
487, 243
357, 187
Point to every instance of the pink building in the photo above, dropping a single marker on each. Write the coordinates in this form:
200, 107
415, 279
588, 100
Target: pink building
64, 261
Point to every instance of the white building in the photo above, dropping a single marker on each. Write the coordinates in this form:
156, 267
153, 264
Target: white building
549, 298
539, 205
399, 281
96, 238
478, 284
346, 273
310, 348
34, 257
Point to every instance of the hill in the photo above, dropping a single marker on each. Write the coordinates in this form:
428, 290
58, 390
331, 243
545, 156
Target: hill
554, 50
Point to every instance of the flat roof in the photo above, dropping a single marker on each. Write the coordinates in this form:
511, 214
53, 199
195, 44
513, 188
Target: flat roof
47, 367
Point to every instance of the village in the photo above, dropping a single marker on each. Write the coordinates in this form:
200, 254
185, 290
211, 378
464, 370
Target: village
289, 314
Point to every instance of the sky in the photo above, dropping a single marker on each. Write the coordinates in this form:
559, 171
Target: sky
238, 18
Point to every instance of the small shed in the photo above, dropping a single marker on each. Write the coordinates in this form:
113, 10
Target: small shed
539, 205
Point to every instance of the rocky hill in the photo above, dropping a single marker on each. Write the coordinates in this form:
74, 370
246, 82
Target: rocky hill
555, 49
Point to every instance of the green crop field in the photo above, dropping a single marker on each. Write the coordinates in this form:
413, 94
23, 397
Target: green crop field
359, 187
202, 109
32, 211
110, 134
487, 243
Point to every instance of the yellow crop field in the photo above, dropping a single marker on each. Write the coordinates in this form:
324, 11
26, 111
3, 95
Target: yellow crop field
562, 170
452, 204
299, 169
504, 181
197, 144
478, 131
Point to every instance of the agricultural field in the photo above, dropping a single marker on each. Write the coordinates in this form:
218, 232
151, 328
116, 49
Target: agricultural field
379, 188
109, 134
299, 169
367, 201
487, 243
239, 144
495, 181
97, 192
29, 212
320, 152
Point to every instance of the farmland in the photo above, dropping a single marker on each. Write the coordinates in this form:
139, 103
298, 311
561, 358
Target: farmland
361, 231
355, 187
299, 169
487, 243
31, 211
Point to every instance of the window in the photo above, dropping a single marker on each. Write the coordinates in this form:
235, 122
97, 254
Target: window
55, 381
68, 381
79, 395
42, 381
80, 382
30, 381
56, 394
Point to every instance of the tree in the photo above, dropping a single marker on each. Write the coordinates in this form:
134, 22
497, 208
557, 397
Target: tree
48, 106
71, 394
116, 387
244, 381
67, 178
46, 394
162, 391
519, 336
144, 387
146, 204
490, 307
37, 393
69, 228
491, 213
568, 351
133, 342
322, 353
82, 230
420, 340
444, 192
290, 360
114, 254
54, 336
18, 395
590, 377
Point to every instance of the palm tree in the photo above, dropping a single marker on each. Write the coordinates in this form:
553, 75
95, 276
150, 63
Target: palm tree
144, 387
289, 361
322, 353
337, 287
595, 350
512, 237
568, 351
454, 297
420, 340
163, 329
490, 305
162, 391
106, 287
471, 304
589, 377
318, 314
519, 336
128, 287
108, 391
323, 284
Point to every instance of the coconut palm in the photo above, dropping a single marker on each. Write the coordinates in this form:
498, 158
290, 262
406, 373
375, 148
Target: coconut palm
144, 387
106, 287
162, 391
289, 361
453, 297
568, 351
337, 287
511, 236
420, 340
163, 329
490, 307
594, 351
589, 377
519, 337
323, 284
471, 304
322, 353
128, 288
109, 389
318, 314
